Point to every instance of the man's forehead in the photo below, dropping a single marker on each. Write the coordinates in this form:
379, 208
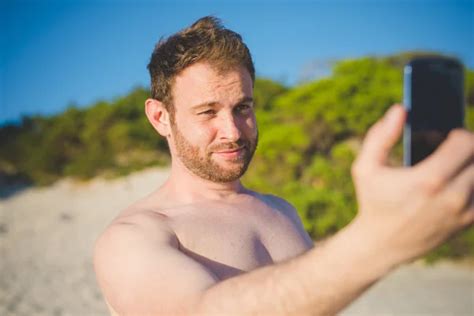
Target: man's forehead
201, 83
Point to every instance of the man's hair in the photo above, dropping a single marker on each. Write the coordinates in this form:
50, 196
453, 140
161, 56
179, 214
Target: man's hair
204, 41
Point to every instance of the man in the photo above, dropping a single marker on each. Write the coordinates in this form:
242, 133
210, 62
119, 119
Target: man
203, 244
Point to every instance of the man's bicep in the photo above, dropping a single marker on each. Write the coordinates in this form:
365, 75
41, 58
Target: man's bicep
142, 271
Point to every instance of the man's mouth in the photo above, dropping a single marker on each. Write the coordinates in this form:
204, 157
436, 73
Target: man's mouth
230, 153
230, 150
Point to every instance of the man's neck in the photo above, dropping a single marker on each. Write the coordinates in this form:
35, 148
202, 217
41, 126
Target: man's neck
186, 187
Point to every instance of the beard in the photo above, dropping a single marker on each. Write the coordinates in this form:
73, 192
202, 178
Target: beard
203, 165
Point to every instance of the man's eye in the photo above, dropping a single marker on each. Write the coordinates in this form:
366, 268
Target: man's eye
243, 107
208, 112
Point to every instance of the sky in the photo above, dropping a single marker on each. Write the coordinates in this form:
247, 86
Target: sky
55, 53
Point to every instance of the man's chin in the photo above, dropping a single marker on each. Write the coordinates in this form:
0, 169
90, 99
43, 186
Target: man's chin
230, 166
227, 176
231, 170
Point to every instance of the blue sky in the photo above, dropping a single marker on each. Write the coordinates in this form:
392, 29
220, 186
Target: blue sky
58, 53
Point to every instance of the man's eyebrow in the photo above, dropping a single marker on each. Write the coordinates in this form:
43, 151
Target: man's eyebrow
245, 100
204, 105
211, 104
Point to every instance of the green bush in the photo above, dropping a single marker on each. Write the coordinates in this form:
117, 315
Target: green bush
309, 137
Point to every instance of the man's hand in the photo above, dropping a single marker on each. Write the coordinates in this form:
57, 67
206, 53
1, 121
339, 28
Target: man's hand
409, 211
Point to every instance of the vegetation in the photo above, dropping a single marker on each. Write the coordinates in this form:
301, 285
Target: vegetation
108, 138
309, 137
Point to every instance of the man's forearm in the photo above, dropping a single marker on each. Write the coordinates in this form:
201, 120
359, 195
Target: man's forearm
322, 281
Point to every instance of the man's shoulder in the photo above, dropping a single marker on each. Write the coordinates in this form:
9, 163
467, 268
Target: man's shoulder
277, 203
281, 206
140, 251
138, 222
287, 217
146, 228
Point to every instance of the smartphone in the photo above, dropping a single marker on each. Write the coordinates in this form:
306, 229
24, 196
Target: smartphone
433, 95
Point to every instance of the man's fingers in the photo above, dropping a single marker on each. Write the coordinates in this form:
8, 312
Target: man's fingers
452, 156
382, 137
458, 195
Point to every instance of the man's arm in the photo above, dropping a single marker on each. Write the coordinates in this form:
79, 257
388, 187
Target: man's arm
403, 213
320, 282
142, 272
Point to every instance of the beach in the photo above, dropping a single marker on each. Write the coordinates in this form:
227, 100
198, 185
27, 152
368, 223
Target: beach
47, 237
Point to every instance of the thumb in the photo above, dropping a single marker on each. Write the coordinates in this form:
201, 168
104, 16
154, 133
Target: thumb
382, 136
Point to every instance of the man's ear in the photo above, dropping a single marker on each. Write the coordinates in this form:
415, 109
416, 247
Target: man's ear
158, 116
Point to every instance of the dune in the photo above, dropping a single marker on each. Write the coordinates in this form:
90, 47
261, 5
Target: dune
47, 237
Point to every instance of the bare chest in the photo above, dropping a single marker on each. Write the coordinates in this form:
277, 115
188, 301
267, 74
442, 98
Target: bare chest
232, 242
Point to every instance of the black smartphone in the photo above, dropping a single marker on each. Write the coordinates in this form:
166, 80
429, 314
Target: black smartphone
434, 99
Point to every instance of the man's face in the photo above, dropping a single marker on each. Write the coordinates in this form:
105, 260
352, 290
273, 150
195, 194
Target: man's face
214, 133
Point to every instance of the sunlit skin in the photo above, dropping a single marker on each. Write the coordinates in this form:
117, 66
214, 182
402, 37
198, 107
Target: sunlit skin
204, 244
216, 138
214, 113
225, 228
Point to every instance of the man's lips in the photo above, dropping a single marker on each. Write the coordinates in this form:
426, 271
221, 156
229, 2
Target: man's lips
229, 150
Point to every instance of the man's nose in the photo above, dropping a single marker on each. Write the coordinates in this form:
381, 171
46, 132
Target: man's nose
229, 128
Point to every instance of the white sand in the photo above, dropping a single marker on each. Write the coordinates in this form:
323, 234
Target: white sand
47, 237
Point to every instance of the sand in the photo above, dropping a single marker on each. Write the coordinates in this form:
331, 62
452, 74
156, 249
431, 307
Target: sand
47, 237
47, 243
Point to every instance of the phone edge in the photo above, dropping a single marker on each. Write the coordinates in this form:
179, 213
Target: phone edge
407, 71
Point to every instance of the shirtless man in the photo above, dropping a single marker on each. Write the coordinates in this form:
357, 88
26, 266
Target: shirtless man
202, 244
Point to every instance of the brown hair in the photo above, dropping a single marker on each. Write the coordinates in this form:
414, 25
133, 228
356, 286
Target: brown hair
206, 40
